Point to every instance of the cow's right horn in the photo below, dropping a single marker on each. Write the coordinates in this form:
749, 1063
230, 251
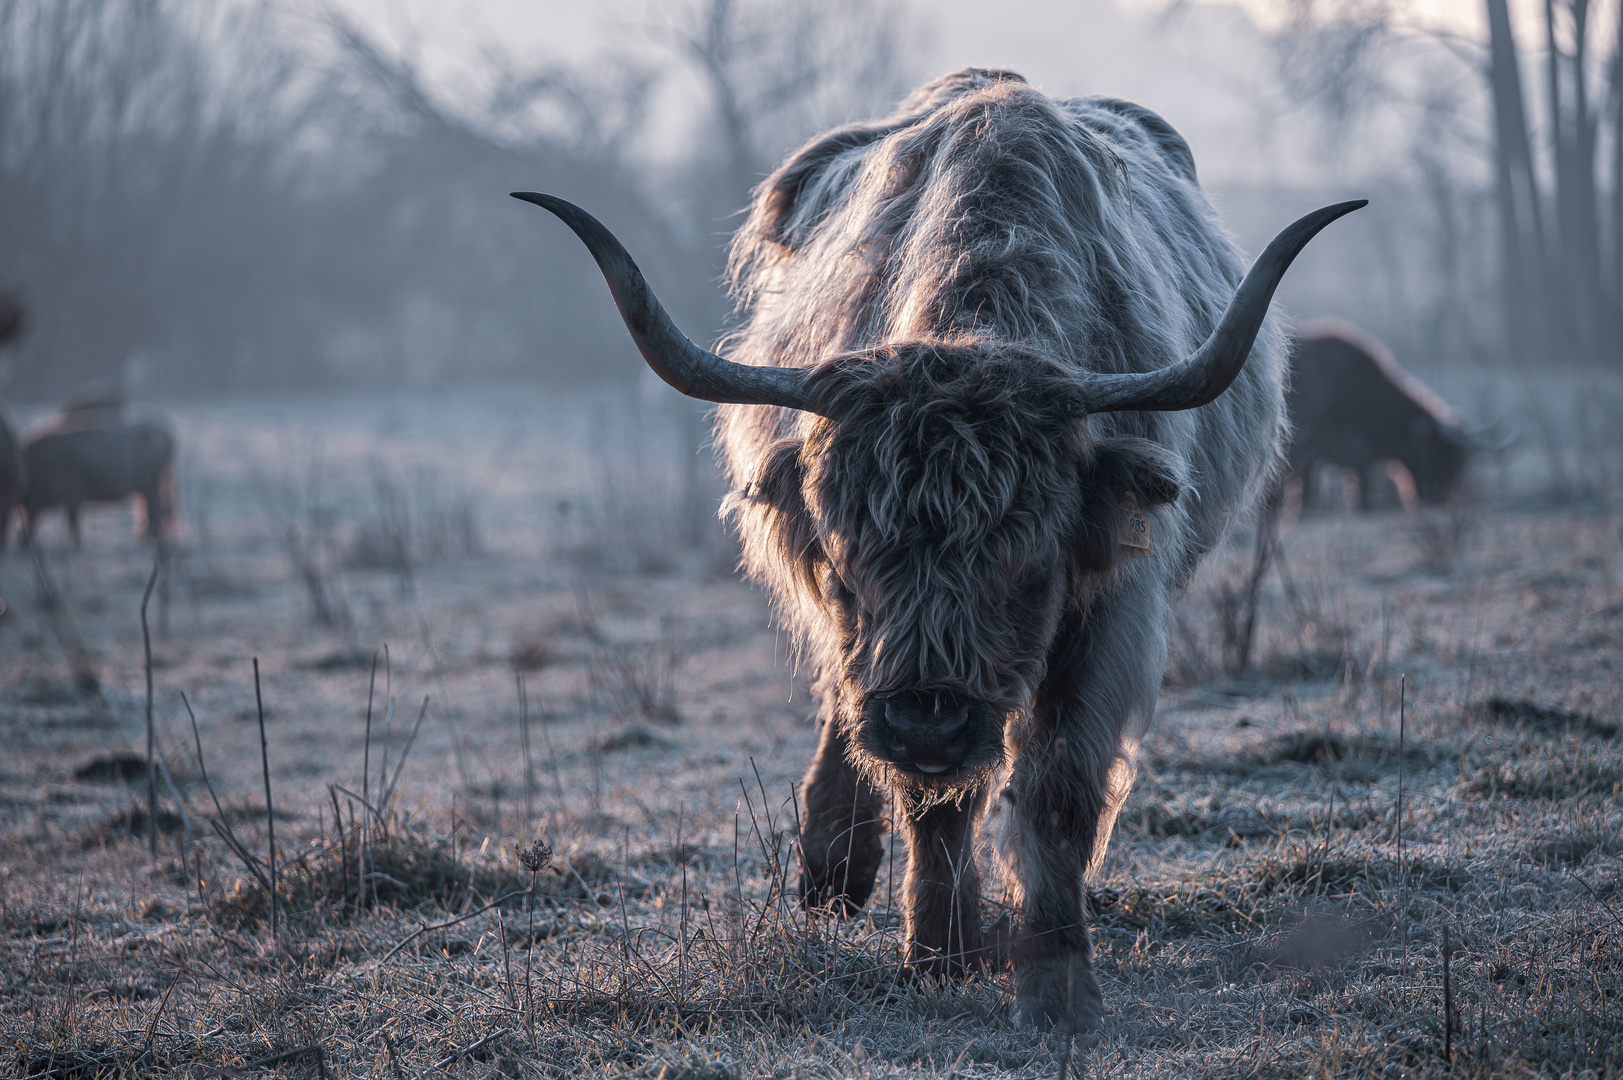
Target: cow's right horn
1207, 372
695, 371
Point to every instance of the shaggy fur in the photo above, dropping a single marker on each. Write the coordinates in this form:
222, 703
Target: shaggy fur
946, 522
1352, 405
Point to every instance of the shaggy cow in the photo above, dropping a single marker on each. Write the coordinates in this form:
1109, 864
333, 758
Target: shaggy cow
982, 360
1353, 406
100, 464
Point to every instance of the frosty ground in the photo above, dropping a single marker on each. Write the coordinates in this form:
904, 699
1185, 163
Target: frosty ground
1265, 910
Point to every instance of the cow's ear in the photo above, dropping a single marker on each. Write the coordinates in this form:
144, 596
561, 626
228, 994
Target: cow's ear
1122, 478
1154, 474
780, 538
790, 201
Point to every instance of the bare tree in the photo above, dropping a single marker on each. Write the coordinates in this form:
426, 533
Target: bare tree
230, 194
1561, 273
777, 71
1576, 273
1521, 220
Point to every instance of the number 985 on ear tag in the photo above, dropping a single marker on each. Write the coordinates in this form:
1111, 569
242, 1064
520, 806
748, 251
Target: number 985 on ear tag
1134, 539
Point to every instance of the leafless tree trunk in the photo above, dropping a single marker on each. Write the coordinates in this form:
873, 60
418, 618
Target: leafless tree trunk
1576, 274
1521, 225
1614, 283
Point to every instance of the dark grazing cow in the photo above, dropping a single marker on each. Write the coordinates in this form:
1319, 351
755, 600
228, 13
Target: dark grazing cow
1353, 406
13, 320
69, 468
983, 357
11, 475
13, 315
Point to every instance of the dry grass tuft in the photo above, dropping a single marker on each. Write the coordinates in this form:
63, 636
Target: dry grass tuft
640, 680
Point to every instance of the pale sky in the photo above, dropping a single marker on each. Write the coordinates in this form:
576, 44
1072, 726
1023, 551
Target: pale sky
1200, 68
570, 27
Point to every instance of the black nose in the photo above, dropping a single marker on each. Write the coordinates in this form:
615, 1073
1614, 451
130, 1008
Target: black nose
908, 717
923, 731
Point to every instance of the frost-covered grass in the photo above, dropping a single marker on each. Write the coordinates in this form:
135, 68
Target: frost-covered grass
1257, 914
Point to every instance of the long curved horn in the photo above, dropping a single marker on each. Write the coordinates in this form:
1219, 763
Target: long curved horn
694, 371
1203, 375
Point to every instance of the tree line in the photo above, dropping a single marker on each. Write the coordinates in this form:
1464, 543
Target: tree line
197, 196
208, 196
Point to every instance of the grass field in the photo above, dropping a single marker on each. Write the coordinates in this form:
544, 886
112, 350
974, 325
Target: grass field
1423, 746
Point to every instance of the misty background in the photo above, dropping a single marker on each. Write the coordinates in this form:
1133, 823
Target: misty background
201, 197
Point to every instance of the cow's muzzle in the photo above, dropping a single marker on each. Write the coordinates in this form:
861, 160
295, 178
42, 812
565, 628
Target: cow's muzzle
931, 735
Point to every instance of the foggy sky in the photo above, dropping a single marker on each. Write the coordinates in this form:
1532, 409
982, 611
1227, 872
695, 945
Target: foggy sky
1202, 64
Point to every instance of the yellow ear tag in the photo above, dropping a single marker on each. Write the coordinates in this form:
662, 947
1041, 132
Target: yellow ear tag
1135, 539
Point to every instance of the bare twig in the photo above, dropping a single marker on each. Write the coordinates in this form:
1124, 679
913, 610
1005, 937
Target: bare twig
67, 634
152, 772
180, 802
405, 751
270, 813
552, 764
524, 743
220, 824
370, 809
152, 1028
445, 699
1403, 680
366, 775
1598, 897
414, 935
507, 963
281, 1056
1448, 1004
452, 1058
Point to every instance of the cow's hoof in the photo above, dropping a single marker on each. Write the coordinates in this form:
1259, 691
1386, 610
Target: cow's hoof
1031, 1016
817, 894
1058, 994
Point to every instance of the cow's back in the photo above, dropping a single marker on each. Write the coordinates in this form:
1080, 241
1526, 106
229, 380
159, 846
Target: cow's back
1345, 405
95, 464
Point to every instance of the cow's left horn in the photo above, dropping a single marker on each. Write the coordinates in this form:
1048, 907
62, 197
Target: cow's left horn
696, 372
1200, 377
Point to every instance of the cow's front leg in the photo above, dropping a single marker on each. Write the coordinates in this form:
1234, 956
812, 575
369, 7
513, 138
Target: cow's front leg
842, 831
1055, 810
942, 895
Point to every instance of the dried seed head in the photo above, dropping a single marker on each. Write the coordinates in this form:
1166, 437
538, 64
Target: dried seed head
537, 857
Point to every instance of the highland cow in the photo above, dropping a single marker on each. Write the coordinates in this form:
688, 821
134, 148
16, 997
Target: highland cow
1352, 405
991, 348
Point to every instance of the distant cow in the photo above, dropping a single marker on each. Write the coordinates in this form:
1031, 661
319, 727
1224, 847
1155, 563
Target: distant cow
1353, 406
13, 319
13, 316
11, 476
100, 464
